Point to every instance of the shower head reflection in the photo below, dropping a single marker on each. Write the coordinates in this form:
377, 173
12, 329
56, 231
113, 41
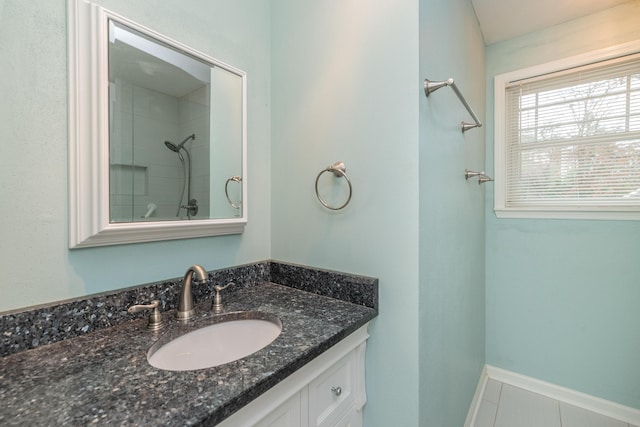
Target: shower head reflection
176, 148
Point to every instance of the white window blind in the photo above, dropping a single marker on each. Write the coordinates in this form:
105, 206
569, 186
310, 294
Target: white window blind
572, 138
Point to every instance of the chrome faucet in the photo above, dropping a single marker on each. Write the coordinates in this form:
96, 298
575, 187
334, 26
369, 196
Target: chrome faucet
185, 300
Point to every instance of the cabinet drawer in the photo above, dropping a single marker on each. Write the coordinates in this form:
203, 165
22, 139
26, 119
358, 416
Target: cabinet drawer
332, 394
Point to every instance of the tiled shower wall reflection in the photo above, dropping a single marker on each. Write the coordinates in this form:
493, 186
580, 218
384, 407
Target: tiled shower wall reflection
142, 169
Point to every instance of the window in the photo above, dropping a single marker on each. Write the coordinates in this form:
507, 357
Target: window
568, 138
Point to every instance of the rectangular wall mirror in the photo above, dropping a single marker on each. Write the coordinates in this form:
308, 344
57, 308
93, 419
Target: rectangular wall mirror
157, 135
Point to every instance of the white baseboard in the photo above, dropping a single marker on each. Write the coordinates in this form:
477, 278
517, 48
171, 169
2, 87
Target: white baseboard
563, 394
477, 398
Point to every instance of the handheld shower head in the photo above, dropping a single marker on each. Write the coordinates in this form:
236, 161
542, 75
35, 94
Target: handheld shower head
171, 146
186, 169
176, 148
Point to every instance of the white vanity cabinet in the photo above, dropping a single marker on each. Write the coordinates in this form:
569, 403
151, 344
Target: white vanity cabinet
327, 392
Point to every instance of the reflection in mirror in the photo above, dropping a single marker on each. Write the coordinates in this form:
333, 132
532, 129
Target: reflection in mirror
157, 135
175, 129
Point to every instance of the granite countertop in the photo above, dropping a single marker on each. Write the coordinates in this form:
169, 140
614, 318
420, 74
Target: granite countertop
103, 376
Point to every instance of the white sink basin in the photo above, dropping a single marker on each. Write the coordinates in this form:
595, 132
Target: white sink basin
215, 344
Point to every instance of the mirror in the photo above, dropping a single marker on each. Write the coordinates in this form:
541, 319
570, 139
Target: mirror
175, 132
157, 135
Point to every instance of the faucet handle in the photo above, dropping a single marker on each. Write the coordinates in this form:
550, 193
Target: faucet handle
155, 318
218, 288
217, 298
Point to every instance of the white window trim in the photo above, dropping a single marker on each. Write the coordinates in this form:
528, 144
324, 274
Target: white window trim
556, 212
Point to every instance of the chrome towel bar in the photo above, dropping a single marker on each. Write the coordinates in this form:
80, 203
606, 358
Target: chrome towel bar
430, 87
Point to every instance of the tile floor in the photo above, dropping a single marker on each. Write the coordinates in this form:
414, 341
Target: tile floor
504, 405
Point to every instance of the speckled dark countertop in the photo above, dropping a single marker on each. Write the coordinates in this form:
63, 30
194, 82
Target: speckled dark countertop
103, 377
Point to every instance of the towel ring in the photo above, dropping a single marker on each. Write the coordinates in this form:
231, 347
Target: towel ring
237, 179
339, 170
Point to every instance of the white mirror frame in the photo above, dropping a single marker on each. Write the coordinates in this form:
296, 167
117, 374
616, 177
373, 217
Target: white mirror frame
89, 223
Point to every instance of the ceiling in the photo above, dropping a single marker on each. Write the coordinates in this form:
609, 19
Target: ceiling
504, 19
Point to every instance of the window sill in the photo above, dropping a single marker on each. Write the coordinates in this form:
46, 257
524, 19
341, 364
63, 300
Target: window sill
567, 213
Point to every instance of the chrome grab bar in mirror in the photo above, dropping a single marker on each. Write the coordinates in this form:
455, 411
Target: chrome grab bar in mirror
237, 179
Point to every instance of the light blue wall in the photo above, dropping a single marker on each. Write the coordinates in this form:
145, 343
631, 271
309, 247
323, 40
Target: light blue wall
562, 296
451, 215
345, 88
35, 265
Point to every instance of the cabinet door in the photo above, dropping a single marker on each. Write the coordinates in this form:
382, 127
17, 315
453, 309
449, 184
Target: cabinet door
331, 395
285, 415
352, 419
